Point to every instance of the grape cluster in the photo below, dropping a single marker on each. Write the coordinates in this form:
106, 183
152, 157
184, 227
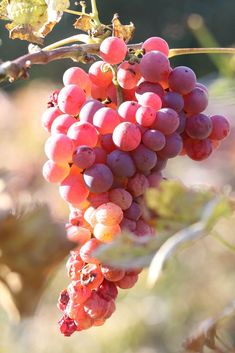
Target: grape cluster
104, 155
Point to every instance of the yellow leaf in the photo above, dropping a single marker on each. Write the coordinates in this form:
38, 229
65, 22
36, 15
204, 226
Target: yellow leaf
124, 32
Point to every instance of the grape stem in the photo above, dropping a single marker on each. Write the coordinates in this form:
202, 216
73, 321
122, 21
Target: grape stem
19, 67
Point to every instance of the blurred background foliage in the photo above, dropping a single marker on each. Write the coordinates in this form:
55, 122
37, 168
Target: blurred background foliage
197, 283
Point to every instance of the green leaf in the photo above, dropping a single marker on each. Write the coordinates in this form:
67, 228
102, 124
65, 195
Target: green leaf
32, 20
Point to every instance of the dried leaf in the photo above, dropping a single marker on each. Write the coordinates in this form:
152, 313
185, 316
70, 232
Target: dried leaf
32, 20
84, 23
125, 32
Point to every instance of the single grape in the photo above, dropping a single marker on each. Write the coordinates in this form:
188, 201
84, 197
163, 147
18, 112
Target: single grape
100, 74
128, 75
105, 120
113, 50
62, 123
78, 234
173, 100
55, 173
161, 164
59, 148
73, 189
127, 111
154, 179
145, 116
49, 116
198, 150
98, 178
70, 99
146, 86
156, 43
182, 80
155, 66
98, 199
107, 143
121, 164
134, 212
137, 185
144, 158
109, 214
198, 126
84, 157
105, 233
126, 136
86, 251
77, 76
172, 147
83, 134
166, 121
154, 139
128, 224
100, 155
120, 197
196, 101
220, 127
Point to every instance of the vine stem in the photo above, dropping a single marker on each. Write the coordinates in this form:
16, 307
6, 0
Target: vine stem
19, 67
186, 51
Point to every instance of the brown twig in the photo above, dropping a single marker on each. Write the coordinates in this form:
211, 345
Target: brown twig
19, 67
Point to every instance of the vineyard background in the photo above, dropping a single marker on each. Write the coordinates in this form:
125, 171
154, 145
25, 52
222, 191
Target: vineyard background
197, 283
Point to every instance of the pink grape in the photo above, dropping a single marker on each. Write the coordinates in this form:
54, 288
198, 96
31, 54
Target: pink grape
55, 173
166, 121
99, 75
88, 110
49, 116
109, 214
77, 76
62, 123
84, 157
105, 120
120, 197
150, 99
83, 134
73, 189
70, 99
155, 66
145, 116
154, 140
113, 50
126, 136
128, 75
97, 199
59, 148
127, 111
220, 127
155, 179
98, 178
144, 158
106, 233
156, 43
182, 80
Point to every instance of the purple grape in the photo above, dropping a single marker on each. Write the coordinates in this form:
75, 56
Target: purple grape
144, 158
154, 140
166, 121
173, 146
196, 101
182, 80
121, 164
128, 224
88, 110
173, 100
161, 164
198, 126
98, 178
155, 179
198, 150
155, 66
137, 185
183, 119
84, 157
134, 212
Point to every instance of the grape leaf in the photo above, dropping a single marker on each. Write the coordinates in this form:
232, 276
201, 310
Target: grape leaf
125, 32
32, 20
